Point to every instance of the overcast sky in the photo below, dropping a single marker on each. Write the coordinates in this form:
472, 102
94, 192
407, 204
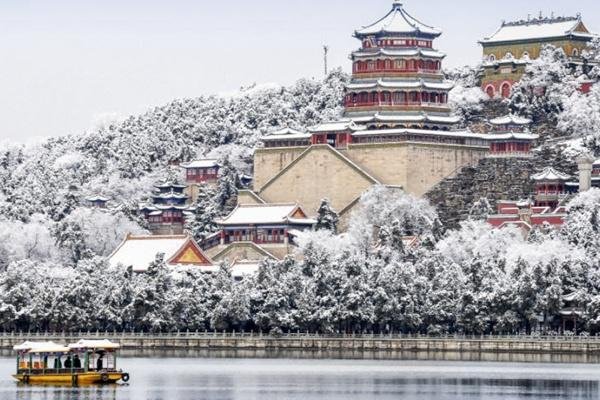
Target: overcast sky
67, 63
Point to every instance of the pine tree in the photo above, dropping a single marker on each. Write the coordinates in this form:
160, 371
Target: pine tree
480, 210
227, 187
203, 223
327, 218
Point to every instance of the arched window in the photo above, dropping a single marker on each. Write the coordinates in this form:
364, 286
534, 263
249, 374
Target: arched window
525, 54
492, 58
508, 56
575, 53
490, 91
505, 90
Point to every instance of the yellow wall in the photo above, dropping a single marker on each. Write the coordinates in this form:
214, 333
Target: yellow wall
268, 162
318, 174
534, 49
416, 167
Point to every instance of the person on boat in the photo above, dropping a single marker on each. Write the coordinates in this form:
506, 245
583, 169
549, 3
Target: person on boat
68, 362
57, 363
99, 363
76, 361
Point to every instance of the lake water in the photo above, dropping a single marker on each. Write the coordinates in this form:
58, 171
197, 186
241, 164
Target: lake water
196, 376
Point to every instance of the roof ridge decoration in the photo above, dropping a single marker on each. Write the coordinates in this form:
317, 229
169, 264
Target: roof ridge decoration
550, 174
541, 21
398, 21
538, 28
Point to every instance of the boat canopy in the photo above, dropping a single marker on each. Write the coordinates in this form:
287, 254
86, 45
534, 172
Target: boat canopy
41, 347
94, 344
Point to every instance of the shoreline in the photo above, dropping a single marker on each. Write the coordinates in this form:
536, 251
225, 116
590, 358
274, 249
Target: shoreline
310, 343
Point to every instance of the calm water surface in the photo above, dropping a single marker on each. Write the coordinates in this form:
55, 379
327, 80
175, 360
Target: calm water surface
163, 376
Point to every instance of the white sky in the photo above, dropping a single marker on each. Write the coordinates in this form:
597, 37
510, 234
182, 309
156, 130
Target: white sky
67, 63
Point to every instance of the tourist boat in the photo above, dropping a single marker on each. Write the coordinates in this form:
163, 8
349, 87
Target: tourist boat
84, 362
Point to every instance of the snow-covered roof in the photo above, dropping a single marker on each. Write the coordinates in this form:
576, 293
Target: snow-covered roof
166, 185
399, 53
94, 344
337, 126
398, 21
139, 252
41, 347
207, 163
408, 118
397, 84
513, 135
94, 199
539, 28
170, 195
424, 132
286, 134
550, 174
254, 214
510, 119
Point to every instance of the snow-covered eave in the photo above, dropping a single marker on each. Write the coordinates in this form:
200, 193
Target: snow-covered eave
170, 185
208, 163
301, 221
513, 135
336, 126
409, 118
95, 199
565, 36
424, 132
402, 34
396, 53
510, 120
382, 84
286, 137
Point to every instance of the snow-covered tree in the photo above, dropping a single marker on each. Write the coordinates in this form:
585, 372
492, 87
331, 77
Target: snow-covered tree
545, 87
327, 218
202, 224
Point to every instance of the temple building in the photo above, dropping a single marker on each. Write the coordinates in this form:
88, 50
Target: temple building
397, 79
251, 233
397, 129
550, 188
180, 252
507, 51
167, 209
138, 252
546, 210
527, 215
201, 171
197, 173
97, 201
510, 137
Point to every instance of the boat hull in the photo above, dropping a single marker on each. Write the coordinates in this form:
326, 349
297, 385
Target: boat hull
84, 378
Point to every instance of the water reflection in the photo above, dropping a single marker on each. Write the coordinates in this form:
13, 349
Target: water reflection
190, 376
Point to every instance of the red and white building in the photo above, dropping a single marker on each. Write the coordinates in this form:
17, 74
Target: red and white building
201, 171
397, 78
167, 209
547, 209
252, 232
510, 137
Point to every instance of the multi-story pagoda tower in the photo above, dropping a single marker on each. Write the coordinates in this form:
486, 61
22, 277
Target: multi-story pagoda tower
397, 80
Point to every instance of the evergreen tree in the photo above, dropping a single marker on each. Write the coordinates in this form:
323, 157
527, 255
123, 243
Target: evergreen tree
203, 223
227, 187
327, 218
